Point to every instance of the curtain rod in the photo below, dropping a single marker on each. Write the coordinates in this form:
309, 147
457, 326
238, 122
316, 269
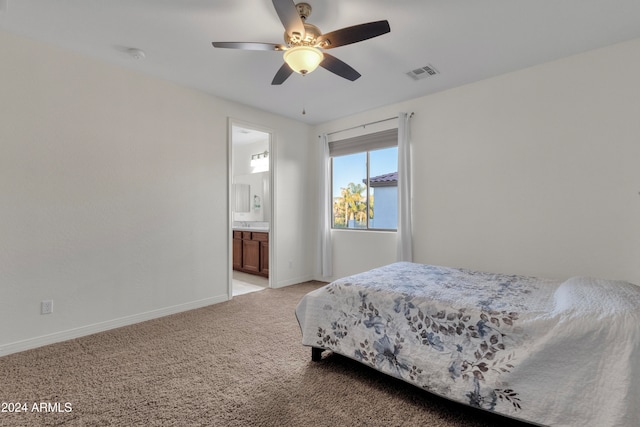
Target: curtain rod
365, 125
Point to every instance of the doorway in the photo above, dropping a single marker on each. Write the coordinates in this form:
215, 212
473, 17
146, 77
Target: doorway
250, 201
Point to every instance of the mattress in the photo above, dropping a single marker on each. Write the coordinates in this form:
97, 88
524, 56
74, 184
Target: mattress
551, 352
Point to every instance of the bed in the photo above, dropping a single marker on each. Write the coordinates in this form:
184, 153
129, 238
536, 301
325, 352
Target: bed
550, 352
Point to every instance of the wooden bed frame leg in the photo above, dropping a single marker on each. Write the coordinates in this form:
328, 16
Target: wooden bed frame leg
316, 354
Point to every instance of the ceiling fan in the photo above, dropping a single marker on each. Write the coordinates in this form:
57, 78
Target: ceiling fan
304, 43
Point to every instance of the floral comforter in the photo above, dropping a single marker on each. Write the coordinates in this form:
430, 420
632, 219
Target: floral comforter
561, 353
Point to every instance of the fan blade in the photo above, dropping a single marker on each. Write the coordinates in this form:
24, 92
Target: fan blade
283, 74
354, 34
249, 45
289, 16
338, 67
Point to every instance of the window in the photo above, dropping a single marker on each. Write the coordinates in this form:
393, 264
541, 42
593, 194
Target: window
365, 182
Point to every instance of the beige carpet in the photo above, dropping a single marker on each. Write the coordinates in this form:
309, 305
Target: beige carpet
238, 363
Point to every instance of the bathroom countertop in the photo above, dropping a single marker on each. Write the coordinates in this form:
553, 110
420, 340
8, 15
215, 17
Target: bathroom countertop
258, 229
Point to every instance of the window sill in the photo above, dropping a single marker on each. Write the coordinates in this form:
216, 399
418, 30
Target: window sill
359, 230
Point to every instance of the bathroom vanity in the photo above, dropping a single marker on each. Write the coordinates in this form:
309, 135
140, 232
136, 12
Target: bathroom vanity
251, 251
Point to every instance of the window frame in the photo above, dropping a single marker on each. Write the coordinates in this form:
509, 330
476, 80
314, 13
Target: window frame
361, 146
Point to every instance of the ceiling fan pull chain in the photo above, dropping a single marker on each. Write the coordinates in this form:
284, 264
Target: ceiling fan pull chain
303, 97
303, 110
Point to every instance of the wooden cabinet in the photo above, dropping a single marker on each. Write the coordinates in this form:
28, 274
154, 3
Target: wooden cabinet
250, 256
264, 258
251, 252
237, 250
263, 255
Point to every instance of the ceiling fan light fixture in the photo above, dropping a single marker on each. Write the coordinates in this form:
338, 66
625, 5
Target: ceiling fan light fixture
303, 59
304, 43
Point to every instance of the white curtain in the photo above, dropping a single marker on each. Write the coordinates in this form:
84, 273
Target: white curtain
325, 253
404, 251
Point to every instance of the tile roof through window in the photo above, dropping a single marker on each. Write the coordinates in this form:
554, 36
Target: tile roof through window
386, 180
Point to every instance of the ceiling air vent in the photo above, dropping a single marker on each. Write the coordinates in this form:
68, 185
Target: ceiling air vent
423, 72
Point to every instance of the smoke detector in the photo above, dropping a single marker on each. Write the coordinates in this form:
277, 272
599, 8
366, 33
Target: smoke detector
136, 53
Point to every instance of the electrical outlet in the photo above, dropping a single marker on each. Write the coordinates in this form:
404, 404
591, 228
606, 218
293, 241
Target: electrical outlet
46, 307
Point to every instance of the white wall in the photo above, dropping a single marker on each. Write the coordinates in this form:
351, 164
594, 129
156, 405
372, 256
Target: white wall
533, 172
244, 173
113, 190
242, 156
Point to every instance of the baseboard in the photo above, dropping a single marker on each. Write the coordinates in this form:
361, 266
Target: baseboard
321, 278
294, 281
40, 341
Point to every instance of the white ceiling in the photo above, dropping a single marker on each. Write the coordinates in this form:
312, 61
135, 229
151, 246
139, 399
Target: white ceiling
244, 136
465, 40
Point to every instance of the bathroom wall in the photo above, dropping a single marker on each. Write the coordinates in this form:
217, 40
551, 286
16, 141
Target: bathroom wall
258, 197
244, 173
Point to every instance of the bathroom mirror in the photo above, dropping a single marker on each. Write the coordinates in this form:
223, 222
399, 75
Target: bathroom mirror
242, 195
